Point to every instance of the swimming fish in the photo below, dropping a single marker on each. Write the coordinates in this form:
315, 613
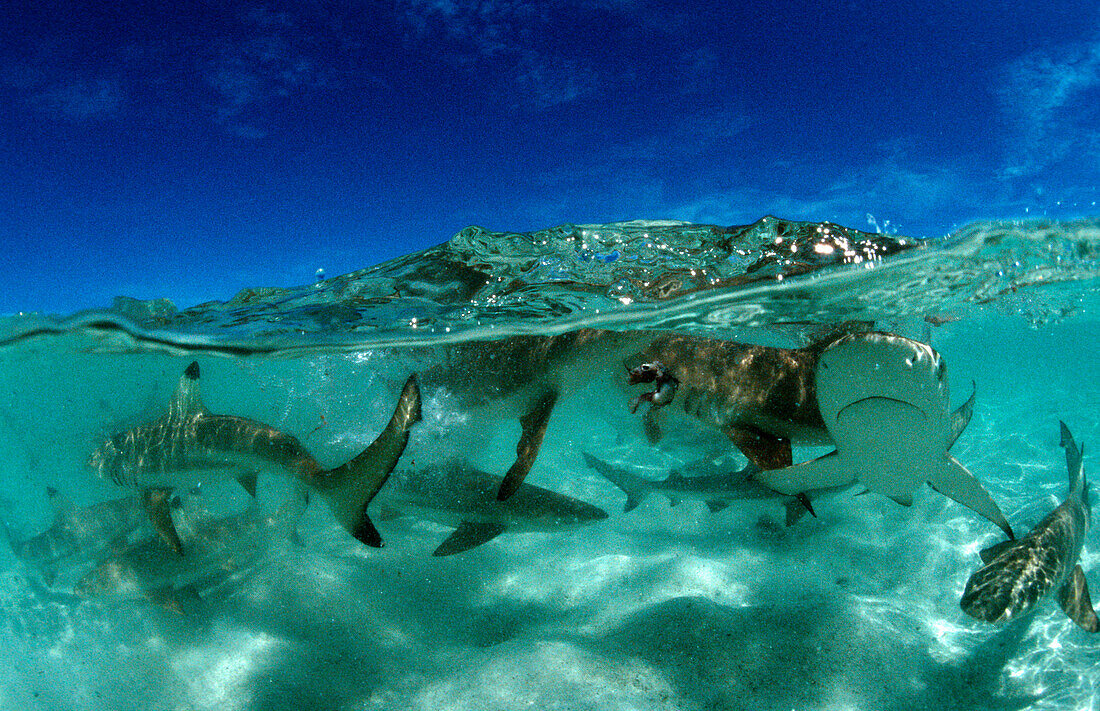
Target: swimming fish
220, 550
884, 399
524, 376
78, 533
699, 481
459, 495
189, 444
1018, 574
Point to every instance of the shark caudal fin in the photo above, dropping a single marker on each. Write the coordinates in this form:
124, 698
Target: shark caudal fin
634, 486
349, 489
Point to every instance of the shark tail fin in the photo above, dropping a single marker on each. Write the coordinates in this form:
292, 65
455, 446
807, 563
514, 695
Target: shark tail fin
634, 486
350, 488
1074, 458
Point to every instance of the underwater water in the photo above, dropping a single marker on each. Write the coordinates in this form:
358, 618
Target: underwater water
661, 607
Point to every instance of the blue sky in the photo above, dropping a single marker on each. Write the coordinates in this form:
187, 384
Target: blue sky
185, 150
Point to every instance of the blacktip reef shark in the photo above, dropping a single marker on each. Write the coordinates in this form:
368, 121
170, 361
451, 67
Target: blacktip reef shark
718, 487
884, 400
220, 550
459, 495
78, 533
190, 444
1018, 574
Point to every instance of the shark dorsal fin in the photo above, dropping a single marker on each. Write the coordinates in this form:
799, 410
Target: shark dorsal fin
186, 401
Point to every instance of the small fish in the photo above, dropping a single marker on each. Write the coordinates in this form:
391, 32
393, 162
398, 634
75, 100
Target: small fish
190, 444
1018, 574
459, 495
662, 395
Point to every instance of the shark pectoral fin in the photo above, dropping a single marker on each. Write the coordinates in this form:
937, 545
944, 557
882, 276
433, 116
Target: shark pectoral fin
1075, 600
527, 449
795, 511
902, 499
954, 481
716, 505
820, 473
160, 515
763, 449
960, 418
651, 426
988, 554
469, 534
248, 482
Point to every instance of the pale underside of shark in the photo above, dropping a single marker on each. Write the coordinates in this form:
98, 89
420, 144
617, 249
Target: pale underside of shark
459, 495
1018, 574
189, 445
885, 402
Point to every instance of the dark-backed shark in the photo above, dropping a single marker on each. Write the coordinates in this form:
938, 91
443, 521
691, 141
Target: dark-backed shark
1018, 574
462, 496
702, 480
78, 533
190, 444
884, 400
220, 550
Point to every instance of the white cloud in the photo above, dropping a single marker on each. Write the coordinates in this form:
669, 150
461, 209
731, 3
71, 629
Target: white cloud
80, 100
1050, 101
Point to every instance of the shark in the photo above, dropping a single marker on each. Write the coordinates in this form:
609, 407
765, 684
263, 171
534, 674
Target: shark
761, 397
221, 550
524, 376
1018, 574
460, 495
703, 480
884, 400
78, 533
189, 444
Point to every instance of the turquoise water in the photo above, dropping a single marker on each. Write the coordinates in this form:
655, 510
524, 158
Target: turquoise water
659, 608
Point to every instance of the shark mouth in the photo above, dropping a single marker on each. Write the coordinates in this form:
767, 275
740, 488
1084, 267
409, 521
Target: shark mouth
855, 407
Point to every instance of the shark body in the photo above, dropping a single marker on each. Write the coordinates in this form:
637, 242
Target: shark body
220, 550
884, 400
1018, 574
79, 533
761, 397
462, 496
189, 444
702, 481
